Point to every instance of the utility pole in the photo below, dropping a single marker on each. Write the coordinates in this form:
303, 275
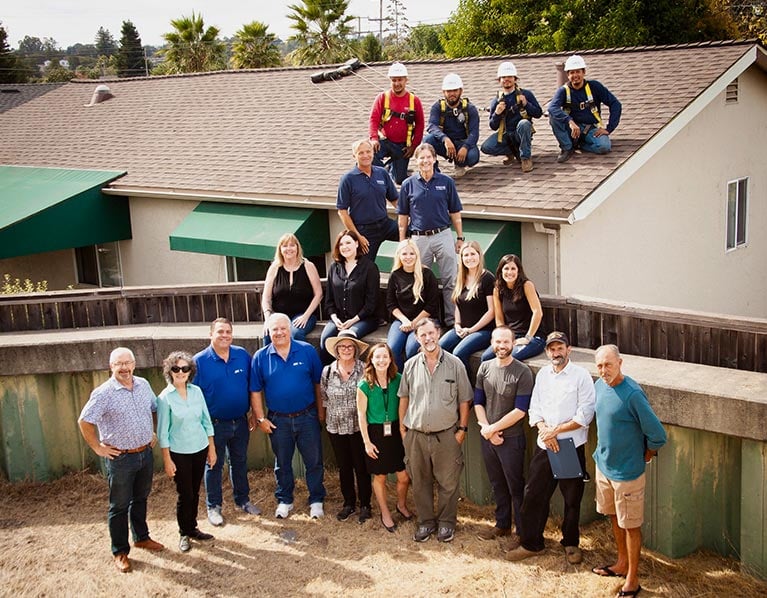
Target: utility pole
380, 20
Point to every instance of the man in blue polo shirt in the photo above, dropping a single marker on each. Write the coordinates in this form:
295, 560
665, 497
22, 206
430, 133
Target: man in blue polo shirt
223, 375
287, 374
428, 204
361, 202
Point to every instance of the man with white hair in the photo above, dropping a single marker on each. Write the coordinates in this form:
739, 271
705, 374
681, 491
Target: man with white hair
286, 377
396, 124
117, 422
575, 112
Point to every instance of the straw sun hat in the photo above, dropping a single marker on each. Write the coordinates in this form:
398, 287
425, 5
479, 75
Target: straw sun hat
349, 335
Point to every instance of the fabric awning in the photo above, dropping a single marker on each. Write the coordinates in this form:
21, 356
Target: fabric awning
249, 231
48, 209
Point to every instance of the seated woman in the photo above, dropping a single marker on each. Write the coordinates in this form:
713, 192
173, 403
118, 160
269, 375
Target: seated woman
351, 295
338, 387
412, 294
185, 434
378, 412
517, 305
292, 287
474, 311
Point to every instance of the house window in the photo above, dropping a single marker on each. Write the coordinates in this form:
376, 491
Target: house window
99, 265
731, 94
737, 213
240, 269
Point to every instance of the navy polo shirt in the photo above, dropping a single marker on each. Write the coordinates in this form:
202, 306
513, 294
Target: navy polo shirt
224, 383
429, 204
287, 384
365, 196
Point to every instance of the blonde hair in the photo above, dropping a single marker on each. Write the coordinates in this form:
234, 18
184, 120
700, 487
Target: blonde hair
418, 270
287, 239
463, 273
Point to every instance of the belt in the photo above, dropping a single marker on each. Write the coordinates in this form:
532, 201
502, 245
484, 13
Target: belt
433, 433
295, 414
428, 233
140, 449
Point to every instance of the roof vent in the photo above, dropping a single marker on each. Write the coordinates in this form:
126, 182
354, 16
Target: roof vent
561, 75
101, 94
731, 94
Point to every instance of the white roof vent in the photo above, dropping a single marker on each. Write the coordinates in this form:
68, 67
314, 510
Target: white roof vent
101, 94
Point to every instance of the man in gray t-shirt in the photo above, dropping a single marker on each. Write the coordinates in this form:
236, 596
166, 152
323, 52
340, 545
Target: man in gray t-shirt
501, 399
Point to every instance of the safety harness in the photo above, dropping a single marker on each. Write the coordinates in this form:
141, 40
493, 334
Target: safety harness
521, 108
590, 103
408, 117
462, 114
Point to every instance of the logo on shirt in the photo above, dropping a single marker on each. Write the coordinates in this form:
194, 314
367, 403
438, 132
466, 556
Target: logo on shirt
239, 371
440, 187
381, 182
295, 363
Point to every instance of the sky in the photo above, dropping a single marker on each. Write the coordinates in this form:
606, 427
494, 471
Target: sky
77, 21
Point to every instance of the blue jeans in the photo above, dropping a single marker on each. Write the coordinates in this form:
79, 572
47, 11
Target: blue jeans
302, 432
401, 342
130, 481
378, 232
295, 332
231, 439
587, 141
522, 138
521, 352
505, 465
361, 328
398, 164
464, 348
472, 157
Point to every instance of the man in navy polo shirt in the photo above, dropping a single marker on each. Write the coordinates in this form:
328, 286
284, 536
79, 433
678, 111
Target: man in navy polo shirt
361, 202
428, 204
287, 374
223, 375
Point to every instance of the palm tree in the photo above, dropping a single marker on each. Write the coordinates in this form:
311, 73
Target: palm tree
192, 48
255, 48
323, 31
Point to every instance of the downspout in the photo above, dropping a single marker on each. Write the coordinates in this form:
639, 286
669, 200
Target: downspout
553, 254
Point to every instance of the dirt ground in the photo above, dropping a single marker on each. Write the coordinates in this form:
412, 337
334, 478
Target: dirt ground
54, 542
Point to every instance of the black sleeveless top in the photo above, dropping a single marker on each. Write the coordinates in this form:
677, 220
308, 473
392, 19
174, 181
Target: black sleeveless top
517, 314
292, 300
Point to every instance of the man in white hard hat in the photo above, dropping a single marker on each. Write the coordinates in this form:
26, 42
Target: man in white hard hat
396, 124
511, 115
575, 112
453, 128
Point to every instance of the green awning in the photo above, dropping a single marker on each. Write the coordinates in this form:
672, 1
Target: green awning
494, 237
249, 231
48, 209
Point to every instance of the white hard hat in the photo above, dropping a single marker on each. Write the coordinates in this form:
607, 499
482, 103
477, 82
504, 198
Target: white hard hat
574, 63
397, 69
507, 69
451, 81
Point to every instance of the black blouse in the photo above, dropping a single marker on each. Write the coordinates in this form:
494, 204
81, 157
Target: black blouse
355, 294
399, 293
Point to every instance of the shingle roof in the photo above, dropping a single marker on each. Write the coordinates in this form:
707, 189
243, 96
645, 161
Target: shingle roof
275, 134
16, 94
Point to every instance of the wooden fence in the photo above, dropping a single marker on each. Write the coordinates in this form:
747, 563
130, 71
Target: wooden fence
709, 339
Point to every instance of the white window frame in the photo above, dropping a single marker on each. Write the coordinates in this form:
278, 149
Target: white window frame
740, 215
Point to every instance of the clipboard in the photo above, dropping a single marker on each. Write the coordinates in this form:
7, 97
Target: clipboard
565, 464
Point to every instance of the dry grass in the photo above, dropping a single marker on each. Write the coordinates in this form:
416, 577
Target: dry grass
54, 542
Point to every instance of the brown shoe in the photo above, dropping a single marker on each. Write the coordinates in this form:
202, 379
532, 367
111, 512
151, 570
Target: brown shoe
527, 164
573, 555
520, 553
508, 160
149, 544
493, 533
122, 563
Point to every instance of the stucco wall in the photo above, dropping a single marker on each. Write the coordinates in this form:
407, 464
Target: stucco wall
660, 239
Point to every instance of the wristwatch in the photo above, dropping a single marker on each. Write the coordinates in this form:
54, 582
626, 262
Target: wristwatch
460, 238
261, 420
462, 429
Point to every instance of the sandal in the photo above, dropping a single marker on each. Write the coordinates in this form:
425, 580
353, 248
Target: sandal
605, 571
624, 593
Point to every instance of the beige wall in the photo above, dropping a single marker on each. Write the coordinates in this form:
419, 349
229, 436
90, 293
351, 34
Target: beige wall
660, 238
55, 267
147, 258
537, 249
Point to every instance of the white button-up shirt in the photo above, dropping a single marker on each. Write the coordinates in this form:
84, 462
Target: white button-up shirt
560, 397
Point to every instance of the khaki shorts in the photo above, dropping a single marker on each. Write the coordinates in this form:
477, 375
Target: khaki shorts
622, 499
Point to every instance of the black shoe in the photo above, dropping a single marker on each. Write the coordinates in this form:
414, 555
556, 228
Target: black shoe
402, 514
391, 529
345, 513
364, 514
565, 155
200, 535
445, 534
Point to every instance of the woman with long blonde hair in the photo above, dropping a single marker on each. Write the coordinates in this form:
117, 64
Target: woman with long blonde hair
412, 294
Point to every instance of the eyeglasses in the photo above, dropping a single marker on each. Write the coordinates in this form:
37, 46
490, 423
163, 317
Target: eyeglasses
181, 368
123, 364
351, 347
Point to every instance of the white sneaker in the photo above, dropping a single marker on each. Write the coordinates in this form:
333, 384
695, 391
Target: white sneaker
214, 516
316, 511
283, 510
458, 171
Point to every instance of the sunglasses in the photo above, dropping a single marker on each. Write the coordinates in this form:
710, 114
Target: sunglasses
181, 368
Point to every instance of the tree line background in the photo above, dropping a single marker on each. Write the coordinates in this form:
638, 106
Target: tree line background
324, 34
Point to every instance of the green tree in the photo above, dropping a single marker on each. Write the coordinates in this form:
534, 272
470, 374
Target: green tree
130, 56
371, 48
55, 73
11, 70
192, 48
254, 47
396, 19
322, 32
105, 43
423, 41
